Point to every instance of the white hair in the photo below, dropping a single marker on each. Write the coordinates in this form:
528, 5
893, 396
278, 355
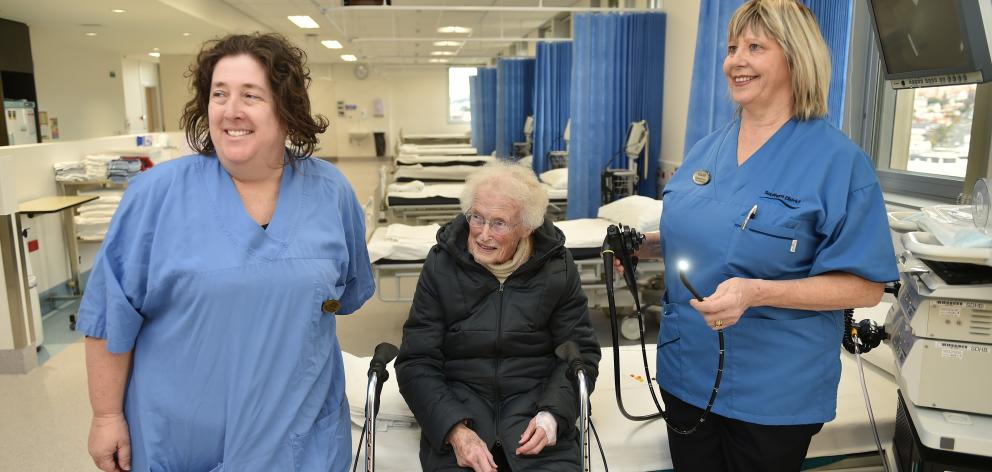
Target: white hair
513, 181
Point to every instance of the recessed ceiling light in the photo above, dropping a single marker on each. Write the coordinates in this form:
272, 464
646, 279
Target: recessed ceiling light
348, 58
442, 53
155, 54
90, 33
118, 10
436, 61
454, 29
331, 44
303, 21
185, 34
447, 43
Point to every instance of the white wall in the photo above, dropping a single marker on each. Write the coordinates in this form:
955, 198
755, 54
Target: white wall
680, 46
174, 87
74, 85
415, 99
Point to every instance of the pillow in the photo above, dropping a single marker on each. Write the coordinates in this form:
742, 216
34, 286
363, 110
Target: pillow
556, 178
393, 412
638, 212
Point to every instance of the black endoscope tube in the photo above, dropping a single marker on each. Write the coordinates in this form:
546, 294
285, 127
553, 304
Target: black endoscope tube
719, 369
692, 290
608, 257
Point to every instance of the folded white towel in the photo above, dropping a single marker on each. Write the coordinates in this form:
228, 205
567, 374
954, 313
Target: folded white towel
401, 232
414, 186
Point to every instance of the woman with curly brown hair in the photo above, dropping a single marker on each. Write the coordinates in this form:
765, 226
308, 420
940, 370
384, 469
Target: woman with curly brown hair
209, 313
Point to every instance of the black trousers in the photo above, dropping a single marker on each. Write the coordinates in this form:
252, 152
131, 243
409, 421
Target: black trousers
725, 444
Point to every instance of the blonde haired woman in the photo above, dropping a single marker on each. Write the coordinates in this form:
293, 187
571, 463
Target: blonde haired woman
782, 221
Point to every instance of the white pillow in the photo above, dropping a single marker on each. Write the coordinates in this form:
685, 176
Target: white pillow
638, 212
393, 411
556, 178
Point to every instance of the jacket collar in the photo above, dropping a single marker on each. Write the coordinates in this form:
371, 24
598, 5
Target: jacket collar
547, 241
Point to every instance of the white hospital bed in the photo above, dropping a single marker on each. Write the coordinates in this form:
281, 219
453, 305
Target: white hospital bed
440, 150
454, 173
441, 160
434, 138
418, 202
846, 443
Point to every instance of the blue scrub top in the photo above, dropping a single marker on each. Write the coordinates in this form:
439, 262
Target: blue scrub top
820, 209
236, 364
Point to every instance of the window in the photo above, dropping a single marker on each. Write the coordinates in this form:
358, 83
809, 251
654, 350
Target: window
919, 139
459, 105
932, 130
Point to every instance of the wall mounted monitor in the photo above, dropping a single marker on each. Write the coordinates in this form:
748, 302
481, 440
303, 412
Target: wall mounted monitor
928, 43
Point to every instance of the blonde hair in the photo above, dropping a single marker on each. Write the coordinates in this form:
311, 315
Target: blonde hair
794, 27
513, 181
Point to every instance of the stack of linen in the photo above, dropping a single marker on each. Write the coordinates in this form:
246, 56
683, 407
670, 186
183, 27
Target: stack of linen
120, 171
96, 165
402, 242
93, 218
72, 171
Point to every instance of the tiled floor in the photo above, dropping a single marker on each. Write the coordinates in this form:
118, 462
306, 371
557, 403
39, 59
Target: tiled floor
44, 415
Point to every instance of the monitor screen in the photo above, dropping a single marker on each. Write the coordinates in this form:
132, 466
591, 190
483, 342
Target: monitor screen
921, 35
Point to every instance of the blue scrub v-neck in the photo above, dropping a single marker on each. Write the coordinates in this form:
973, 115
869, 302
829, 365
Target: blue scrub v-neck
266, 243
733, 177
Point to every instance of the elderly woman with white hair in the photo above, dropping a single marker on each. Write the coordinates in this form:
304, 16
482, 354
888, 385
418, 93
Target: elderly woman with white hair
497, 294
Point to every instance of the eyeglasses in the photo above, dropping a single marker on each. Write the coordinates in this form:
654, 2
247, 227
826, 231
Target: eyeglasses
497, 226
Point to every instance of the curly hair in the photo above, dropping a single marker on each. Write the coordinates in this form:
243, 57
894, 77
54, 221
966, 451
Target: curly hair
288, 76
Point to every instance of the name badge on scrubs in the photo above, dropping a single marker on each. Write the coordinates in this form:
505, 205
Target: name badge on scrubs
701, 177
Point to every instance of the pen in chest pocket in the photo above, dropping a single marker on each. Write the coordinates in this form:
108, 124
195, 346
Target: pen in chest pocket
751, 214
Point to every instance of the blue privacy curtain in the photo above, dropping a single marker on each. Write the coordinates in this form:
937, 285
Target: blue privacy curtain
474, 89
514, 102
617, 77
483, 102
710, 106
835, 22
552, 93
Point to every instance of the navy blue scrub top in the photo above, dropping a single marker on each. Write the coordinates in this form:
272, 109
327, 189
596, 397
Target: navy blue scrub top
820, 209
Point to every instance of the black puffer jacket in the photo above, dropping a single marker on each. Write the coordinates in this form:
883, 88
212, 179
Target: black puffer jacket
477, 350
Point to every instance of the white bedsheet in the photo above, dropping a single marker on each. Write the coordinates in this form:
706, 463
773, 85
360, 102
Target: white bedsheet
628, 445
402, 242
425, 190
420, 149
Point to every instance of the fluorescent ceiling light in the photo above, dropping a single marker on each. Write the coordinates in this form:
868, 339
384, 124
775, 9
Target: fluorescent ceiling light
303, 21
447, 43
331, 44
442, 53
154, 54
454, 29
348, 58
90, 33
437, 60
118, 10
